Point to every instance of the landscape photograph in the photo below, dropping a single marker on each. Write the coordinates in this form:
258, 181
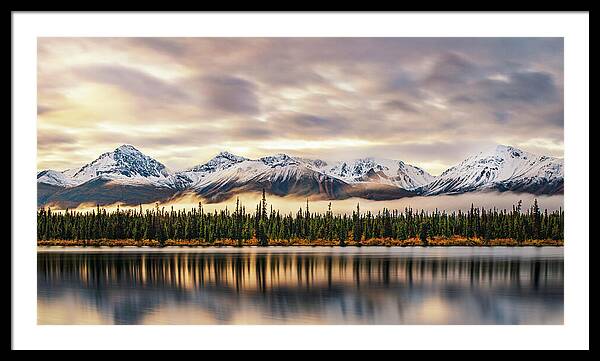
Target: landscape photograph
300, 180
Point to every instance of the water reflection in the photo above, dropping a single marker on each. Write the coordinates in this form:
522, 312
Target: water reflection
386, 286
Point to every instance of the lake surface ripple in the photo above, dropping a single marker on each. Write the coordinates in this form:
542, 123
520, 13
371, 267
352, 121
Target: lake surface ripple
300, 285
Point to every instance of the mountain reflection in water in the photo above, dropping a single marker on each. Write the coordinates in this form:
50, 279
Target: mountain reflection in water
302, 286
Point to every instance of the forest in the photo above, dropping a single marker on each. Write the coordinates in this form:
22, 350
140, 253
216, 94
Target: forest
265, 226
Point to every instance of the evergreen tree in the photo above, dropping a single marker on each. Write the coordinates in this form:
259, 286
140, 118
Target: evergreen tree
424, 234
160, 225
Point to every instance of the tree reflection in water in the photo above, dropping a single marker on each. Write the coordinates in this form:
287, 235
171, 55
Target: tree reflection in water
263, 287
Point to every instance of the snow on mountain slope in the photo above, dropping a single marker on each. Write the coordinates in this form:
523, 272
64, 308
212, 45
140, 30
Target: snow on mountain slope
283, 168
125, 165
198, 173
221, 161
383, 171
128, 175
279, 167
279, 174
504, 168
52, 177
124, 162
316, 164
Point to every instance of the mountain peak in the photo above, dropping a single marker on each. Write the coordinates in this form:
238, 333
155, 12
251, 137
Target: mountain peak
500, 167
502, 147
503, 168
228, 155
222, 160
279, 159
507, 151
317, 163
282, 156
128, 148
385, 171
125, 161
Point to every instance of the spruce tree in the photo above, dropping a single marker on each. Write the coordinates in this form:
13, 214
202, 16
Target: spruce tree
424, 233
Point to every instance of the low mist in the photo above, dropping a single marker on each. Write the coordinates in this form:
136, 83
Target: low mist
463, 202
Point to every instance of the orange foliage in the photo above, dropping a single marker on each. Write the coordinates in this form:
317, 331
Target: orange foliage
388, 242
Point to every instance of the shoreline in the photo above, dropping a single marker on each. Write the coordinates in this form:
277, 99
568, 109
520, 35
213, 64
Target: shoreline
377, 242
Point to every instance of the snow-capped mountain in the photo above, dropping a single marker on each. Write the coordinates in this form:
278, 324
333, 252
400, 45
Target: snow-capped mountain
54, 178
280, 174
198, 173
383, 171
122, 175
221, 161
226, 168
129, 176
125, 163
505, 169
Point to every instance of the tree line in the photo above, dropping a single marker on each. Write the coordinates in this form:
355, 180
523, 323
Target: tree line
265, 224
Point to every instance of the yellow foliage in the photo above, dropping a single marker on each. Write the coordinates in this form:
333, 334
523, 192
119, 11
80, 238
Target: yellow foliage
388, 242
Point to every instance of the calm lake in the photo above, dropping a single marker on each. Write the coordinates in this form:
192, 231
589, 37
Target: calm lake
300, 285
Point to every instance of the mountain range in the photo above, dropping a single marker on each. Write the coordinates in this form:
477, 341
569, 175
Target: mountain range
128, 176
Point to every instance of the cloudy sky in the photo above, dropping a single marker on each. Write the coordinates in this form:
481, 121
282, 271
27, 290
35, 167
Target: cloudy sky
427, 101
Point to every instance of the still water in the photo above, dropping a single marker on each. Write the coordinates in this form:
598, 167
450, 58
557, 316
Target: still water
312, 285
